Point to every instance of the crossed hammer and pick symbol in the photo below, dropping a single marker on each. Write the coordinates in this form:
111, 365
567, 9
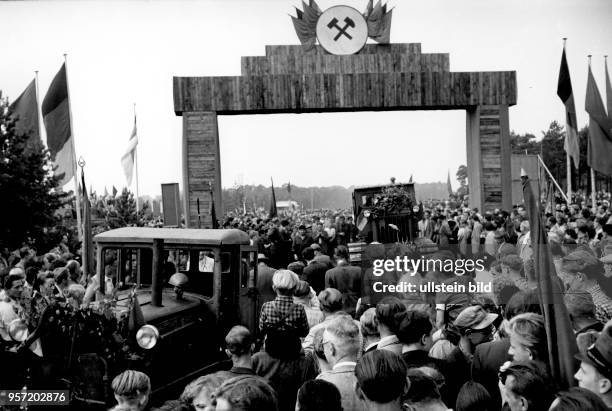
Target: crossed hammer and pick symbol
342, 30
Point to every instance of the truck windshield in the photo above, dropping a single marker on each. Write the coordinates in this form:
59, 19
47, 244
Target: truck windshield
126, 267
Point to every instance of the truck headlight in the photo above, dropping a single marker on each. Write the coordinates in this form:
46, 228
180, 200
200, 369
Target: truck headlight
147, 336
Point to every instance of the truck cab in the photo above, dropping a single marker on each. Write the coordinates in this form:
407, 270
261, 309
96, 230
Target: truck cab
192, 286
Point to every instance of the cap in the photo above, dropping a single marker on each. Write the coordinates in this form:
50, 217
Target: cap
581, 255
302, 227
262, 256
599, 354
474, 317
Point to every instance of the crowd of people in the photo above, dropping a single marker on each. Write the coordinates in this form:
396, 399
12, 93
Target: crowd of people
327, 341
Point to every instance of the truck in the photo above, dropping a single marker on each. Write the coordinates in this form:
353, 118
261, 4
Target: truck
172, 295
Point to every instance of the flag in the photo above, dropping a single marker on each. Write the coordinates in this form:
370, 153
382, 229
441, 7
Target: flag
600, 130
56, 116
378, 21
362, 221
289, 187
213, 213
410, 181
25, 112
565, 93
105, 192
114, 192
559, 333
273, 210
87, 245
128, 159
136, 318
608, 93
448, 185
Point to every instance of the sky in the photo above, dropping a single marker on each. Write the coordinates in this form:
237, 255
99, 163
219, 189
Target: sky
125, 52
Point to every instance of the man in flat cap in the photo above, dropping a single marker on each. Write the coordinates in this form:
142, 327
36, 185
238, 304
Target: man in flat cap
595, 373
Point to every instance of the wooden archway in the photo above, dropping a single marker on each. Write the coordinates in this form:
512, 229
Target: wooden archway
379, 78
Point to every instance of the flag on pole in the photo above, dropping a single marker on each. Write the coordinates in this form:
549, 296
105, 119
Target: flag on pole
87, 245
127, 160
410, 181
560, 336
213, 213
600, 130
448, 184
105, 192
273, 210
289, 187
114, 191
56, 116
25, 112
565, 93
608, 92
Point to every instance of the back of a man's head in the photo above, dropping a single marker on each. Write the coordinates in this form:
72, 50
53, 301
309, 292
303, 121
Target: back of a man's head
579, 304
529, 381
413, 327
381, 376
343, 333
247, 393
308, 254
423, 389
132, 389
330, 300
239, 340
319, 395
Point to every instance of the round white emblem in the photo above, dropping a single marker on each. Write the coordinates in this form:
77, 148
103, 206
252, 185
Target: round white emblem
342, 30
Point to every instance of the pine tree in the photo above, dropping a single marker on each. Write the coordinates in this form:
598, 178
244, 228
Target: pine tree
29, 197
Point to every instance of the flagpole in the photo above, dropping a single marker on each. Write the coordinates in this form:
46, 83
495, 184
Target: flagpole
74, 164
553, 179
38, 110
136, 165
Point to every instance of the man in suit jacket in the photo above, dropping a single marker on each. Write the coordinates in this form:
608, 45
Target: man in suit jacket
487, 359
314, 272
264, 281
346, 279
341, 343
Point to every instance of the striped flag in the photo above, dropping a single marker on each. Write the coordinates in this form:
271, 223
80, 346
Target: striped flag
56, 116
127, 160
25, 112
565, 93
600, 130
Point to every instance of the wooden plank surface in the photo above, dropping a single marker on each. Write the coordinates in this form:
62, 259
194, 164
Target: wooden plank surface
274, 93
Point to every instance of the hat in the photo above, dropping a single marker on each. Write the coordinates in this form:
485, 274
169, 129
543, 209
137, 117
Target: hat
474, 317
606, 259
599, 354
262, 256
581, 255
302, 227
315, 246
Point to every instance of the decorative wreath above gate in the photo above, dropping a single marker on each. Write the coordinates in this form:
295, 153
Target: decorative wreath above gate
342, 30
